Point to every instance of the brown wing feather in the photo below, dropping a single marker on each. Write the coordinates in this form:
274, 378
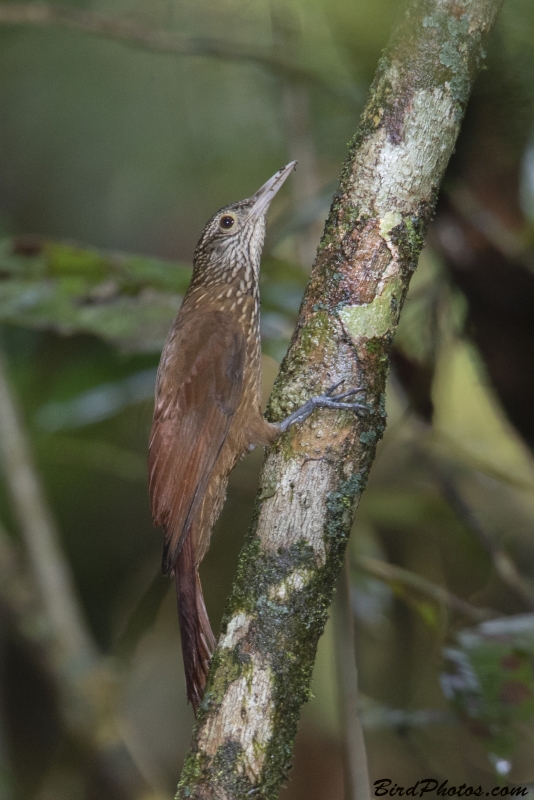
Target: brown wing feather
198, 391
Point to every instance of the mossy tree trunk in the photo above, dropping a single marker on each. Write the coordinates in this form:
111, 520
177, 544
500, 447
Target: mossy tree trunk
312, 480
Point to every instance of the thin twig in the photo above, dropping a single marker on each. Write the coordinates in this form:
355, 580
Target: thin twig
357, 784
480, 464
134, 34
392, 574
504, 565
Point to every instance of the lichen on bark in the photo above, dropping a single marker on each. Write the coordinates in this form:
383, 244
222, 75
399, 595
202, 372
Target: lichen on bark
314, 476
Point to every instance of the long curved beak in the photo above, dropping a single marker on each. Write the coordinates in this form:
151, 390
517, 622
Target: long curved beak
262, 199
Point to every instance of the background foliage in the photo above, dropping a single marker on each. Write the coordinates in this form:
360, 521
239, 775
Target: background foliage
108, 149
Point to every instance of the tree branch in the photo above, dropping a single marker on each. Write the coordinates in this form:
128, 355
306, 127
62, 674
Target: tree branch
44, 608
314, 476
357, 783
18, 601
41, 538
134, 34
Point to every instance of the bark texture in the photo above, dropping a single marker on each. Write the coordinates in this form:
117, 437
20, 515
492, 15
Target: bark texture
313, 478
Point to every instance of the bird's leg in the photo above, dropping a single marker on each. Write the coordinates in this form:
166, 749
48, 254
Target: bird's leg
326, 400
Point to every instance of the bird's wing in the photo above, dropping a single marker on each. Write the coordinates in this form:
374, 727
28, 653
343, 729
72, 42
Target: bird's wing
198, 391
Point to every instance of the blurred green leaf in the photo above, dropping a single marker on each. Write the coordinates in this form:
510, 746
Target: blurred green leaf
128, 301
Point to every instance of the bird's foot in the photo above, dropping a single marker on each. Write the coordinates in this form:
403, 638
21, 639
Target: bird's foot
326, 400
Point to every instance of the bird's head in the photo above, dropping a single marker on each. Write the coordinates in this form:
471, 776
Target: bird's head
233, 238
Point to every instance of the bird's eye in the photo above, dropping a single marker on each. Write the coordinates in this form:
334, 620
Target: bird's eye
227, 222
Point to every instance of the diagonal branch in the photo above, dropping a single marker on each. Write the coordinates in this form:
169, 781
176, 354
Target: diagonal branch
503, 564
394, 575
42, 604
314, 476
40, 535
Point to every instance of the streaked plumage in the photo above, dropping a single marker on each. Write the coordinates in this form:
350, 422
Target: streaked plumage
207, 412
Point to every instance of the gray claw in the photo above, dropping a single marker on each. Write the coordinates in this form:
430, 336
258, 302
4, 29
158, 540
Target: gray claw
326, 400
334, 387
345, 394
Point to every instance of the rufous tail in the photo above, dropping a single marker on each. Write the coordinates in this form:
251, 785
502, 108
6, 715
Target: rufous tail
198, 641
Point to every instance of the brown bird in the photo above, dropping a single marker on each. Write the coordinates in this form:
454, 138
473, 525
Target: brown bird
208, 407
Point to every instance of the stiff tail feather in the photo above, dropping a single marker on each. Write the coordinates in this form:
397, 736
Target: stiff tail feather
198, 641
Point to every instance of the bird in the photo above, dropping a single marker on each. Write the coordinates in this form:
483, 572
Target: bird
207, 411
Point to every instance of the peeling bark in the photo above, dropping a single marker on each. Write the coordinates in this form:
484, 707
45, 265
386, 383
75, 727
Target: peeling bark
314, 476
